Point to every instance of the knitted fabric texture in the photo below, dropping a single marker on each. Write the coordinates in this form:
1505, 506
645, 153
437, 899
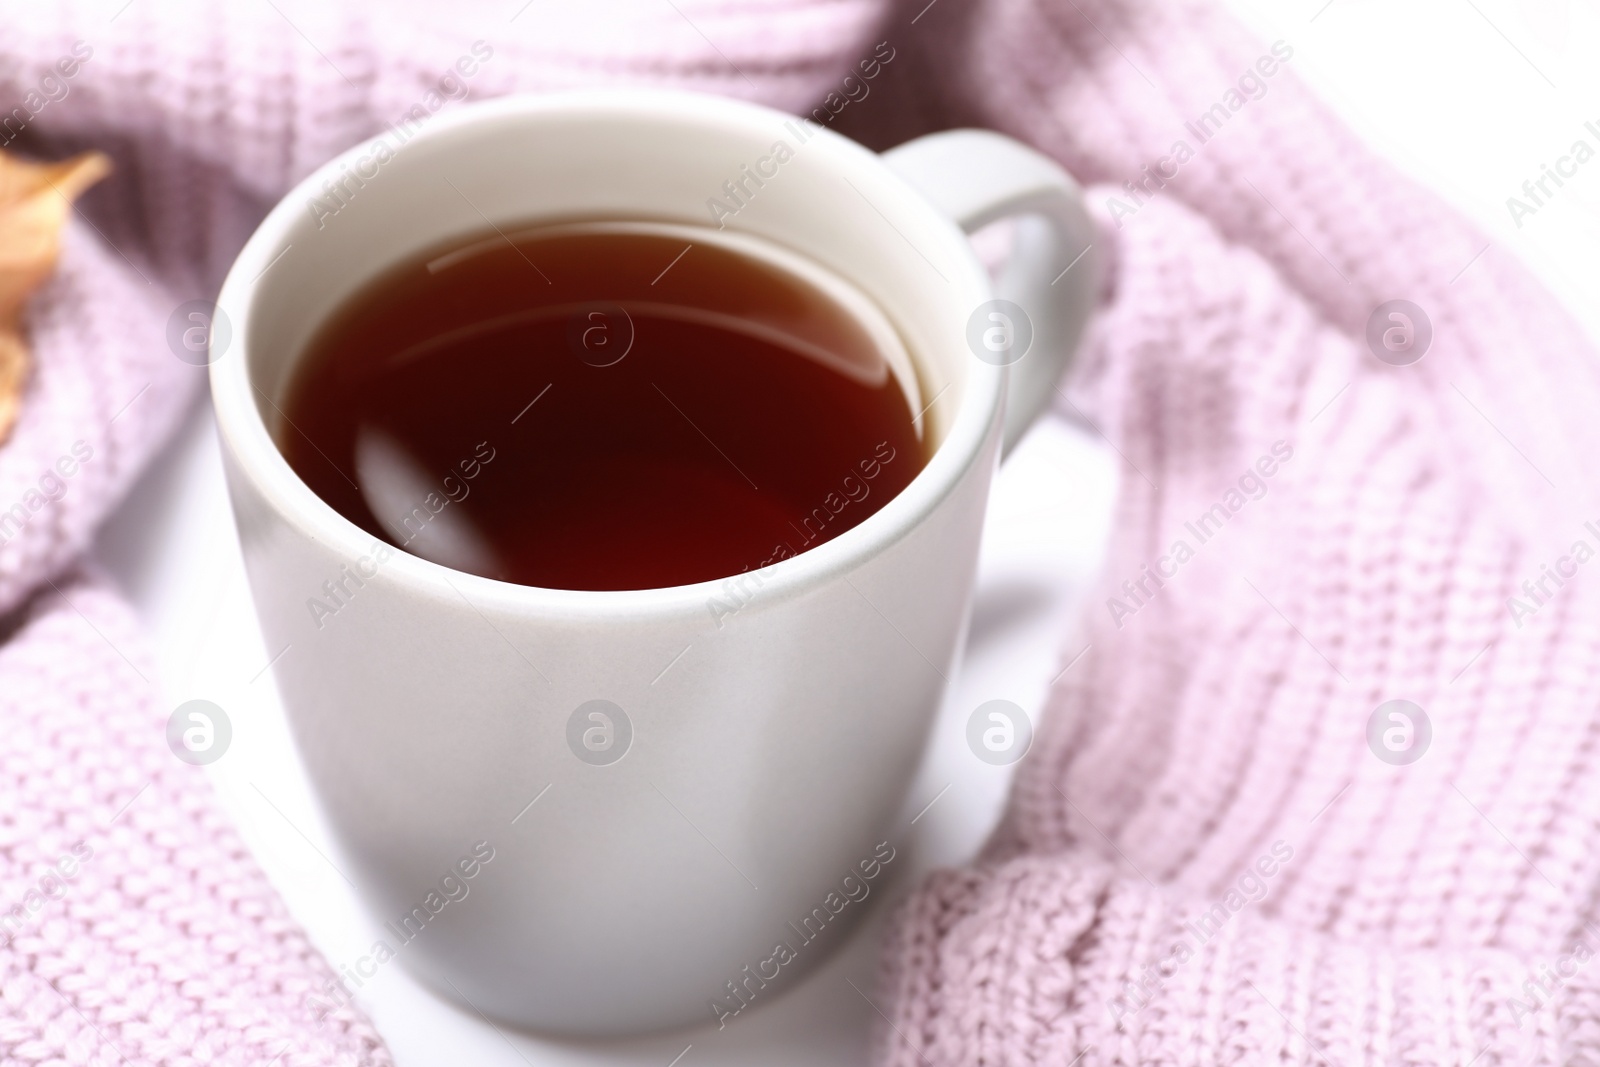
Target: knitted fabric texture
1203, 774
1207, 857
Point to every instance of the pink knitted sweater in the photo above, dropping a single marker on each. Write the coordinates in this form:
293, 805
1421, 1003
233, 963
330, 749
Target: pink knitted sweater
1214, 854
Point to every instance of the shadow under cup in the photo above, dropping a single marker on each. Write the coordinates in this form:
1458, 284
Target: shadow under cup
657, 790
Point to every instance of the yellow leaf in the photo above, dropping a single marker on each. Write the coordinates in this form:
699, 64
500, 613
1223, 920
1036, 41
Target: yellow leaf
13, 373
35, 200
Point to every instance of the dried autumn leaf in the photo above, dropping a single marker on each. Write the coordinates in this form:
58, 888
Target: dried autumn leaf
35, 199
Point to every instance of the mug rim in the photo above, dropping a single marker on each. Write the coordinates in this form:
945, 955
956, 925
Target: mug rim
256, 456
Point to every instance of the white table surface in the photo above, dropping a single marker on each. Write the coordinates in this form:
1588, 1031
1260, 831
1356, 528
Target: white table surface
1470, 96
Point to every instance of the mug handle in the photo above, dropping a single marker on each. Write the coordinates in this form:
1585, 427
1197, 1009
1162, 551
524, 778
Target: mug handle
977, 177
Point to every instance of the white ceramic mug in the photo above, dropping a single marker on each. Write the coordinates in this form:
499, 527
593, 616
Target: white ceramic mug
768, 727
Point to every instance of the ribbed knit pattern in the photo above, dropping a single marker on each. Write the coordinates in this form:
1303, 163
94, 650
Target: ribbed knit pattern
141, 930
1214, 731
1219, 717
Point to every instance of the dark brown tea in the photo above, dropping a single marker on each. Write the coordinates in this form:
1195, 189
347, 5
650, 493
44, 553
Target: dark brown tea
605, 406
